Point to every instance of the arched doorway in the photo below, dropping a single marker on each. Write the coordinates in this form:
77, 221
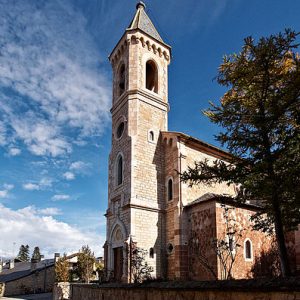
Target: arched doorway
117, 252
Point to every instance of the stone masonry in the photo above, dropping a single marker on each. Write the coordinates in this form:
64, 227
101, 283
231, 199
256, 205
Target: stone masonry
147, 202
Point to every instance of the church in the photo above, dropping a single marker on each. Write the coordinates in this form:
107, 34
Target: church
147, 202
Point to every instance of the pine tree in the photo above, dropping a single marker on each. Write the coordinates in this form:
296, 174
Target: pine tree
260, 117
36, 255
23, 254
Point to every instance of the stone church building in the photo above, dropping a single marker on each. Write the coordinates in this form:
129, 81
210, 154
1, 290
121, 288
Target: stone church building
147, 202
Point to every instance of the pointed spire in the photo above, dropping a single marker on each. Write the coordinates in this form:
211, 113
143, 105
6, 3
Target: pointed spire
142, 21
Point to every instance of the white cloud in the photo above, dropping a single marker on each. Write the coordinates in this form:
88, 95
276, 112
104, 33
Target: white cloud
29, 226
69, 175
14, 151
4, 193
8, 186
78, 165
60, 197
31, 186
40, 136
50, 211
2, 134
50, 62
44, 183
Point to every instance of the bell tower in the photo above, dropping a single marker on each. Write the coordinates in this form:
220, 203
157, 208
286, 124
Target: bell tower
136, 195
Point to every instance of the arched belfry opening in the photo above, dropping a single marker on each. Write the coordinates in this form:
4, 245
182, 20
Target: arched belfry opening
151, 76
121, 80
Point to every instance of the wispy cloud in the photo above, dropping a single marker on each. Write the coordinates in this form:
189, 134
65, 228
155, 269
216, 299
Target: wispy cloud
76, 167
40, 228
14, 151
4, 192
31, 186
49, 74
50, 211
60, 197
69, 175
2, 134
44, 183
79, 166
8, 186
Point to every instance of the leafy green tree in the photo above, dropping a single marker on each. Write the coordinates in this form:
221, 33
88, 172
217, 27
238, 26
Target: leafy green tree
62, 273
36, 255
23, 254
260, 117
85, 264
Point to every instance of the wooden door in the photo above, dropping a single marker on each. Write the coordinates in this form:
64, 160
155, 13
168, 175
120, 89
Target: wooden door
118, 263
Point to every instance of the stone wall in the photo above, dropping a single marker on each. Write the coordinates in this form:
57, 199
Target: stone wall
245, 290
37, 282
260, 242
192, 193
61, 291
202, 230
2, 287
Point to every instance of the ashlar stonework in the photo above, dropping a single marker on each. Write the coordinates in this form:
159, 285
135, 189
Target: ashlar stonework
147, 202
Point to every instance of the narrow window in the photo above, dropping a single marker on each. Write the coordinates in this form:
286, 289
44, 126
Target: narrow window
122, 80
151, 77
120, 170
151, 136
120, 130
231, 244
151, 252
248, 250
170, 189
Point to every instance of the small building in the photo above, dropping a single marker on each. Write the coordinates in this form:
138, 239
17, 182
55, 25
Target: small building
19, 278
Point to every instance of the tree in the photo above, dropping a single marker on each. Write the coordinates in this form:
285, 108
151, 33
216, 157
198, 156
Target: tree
139, 266
36, 255
23, 254
260, 117
85, 264
62, 273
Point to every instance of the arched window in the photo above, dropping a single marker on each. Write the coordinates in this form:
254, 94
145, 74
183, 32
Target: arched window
121, 80
120, 130
151, 252
151, 76
151, 136
248, 250
170, 189
119, 171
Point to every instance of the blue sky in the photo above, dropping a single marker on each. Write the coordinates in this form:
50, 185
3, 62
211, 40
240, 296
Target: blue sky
55, 96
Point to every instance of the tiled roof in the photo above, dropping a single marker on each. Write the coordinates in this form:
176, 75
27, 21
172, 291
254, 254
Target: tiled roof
225, 199
142, 21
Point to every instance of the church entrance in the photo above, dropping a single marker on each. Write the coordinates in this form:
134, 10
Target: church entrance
118, 263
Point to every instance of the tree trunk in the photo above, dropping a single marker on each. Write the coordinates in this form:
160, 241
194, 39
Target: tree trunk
283, 255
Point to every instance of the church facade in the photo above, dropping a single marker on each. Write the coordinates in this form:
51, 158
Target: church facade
147, 202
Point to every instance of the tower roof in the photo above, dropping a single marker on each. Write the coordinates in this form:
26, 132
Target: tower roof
142, 21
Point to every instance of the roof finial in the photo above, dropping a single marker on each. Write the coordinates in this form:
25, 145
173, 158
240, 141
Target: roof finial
140, 4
